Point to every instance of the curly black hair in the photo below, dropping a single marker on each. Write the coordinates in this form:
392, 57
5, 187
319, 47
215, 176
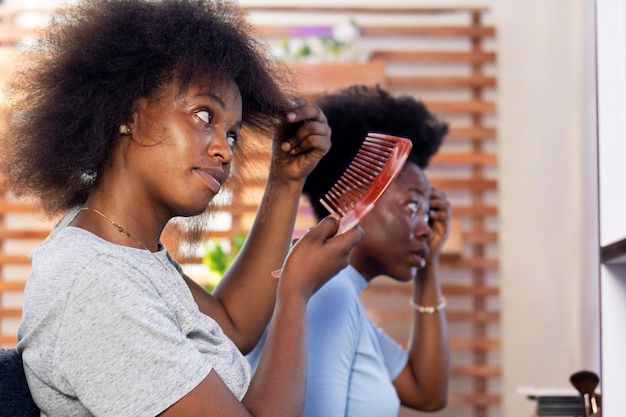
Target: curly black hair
97, 59
359, 109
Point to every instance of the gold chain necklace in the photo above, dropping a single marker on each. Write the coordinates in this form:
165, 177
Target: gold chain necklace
126, 232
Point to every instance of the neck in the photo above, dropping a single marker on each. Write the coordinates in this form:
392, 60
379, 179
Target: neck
123, 199
121, 226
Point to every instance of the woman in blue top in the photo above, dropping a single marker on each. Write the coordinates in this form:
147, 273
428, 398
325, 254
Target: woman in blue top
354, 368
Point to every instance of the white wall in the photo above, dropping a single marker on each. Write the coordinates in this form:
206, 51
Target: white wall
548, 205
547, 200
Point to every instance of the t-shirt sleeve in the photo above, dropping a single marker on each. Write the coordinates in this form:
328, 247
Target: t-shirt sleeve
333, 332
148, 364
394, 355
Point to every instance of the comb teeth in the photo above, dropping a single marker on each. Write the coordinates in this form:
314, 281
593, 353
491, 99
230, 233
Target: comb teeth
375, 165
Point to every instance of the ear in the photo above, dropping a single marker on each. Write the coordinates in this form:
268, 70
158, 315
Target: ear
138, 112
129, 127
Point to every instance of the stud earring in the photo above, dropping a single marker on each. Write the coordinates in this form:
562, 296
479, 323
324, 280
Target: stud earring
125, 130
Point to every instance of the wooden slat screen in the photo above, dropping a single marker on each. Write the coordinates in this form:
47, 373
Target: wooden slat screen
443, 56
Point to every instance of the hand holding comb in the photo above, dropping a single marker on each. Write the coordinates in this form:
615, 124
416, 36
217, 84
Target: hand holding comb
376, 164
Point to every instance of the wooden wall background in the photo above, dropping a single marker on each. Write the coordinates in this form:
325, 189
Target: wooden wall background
444, 56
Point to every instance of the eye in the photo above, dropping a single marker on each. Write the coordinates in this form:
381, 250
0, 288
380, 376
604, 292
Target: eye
205, 116
232, 140
413, 206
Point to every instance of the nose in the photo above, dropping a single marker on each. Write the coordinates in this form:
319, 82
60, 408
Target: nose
421, 228
220, 148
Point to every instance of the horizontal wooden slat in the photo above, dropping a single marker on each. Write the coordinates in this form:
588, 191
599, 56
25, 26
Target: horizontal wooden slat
475, 344
23, 234
474, 211
472, 263
461, 345
471, 133
471, 184
473, 57
473, 399
12, 286
8, 340
474, 316
393, 316
480, 237
315, 78
484, 371
10, 12
480, 107
366, 10
13, 259
464, 159
434, 31
10, 312
17, 207
405, 81
12, 34
392, 287
474, 290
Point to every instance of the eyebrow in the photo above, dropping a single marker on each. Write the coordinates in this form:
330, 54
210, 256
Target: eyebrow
417, 191
212, 96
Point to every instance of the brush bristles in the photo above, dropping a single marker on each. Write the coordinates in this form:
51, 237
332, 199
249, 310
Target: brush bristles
354, 183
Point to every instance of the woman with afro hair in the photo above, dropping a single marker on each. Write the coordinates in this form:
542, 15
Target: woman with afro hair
355, 369
127, 114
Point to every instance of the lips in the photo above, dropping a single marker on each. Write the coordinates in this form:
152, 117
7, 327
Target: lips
418, 257
212, 177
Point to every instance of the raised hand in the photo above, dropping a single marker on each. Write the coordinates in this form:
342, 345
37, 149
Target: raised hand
439, 222
301, 142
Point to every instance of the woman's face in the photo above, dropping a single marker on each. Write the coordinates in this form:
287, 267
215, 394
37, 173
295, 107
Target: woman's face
181, 145
396, 230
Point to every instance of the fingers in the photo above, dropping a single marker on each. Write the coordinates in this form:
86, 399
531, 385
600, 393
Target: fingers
328, 227
439, 206
439, 221
308, 128
318, 256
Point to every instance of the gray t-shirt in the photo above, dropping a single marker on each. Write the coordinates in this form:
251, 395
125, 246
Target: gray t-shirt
107, 331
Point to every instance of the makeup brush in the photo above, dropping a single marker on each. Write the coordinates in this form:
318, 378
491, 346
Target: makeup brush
586, 382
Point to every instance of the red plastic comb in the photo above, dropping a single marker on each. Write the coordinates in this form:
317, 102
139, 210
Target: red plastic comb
376, 164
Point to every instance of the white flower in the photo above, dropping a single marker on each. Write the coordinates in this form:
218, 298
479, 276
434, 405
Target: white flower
347, 32
316, 45
296, 46
338, 41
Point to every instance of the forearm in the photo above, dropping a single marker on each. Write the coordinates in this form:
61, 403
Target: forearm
429, 352
278, 385
247, 291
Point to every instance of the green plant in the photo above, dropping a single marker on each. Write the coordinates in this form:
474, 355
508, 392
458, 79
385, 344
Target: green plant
218, 255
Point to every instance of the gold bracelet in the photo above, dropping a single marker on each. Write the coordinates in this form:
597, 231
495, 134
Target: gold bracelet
428, 309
